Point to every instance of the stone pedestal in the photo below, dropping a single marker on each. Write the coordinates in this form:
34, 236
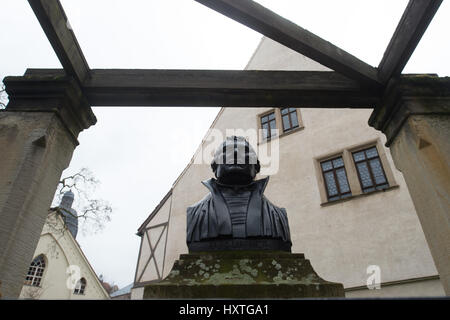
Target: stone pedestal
38, 134
242, 275
415, 117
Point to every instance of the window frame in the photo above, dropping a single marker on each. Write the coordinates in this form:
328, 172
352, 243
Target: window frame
34, 276
82, 288
289, 113
352, 171
336, 180
269, 127
278, 123
372, 177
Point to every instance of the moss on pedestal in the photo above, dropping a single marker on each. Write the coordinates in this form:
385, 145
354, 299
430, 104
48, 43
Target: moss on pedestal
243, 274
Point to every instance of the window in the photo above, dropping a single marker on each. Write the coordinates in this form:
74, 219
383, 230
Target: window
268, 124
278, 121
36, 271
354, 171
335, 178
80, 286
370, 170
289, 118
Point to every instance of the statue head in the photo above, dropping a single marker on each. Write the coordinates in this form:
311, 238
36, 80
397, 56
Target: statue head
235, 162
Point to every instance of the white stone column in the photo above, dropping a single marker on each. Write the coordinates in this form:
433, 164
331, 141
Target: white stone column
415, 117
38, 134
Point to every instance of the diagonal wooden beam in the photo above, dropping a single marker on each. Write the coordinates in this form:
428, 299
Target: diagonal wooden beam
230, 88
413, 23
270, 24
53, 20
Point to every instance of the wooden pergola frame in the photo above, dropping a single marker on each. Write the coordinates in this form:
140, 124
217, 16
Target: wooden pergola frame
48, 108
354, 83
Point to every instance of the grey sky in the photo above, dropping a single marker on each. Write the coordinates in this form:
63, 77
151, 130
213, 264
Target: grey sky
127, 150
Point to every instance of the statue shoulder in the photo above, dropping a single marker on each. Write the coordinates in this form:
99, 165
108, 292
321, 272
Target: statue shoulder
201, 203
272, 206
279, 217
194, 218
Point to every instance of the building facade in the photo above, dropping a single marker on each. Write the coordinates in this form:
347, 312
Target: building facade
348, 207
59, 269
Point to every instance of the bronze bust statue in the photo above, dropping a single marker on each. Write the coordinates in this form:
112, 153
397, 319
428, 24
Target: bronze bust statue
236, 215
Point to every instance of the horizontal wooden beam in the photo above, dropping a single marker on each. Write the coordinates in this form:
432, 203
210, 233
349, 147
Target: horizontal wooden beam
53, 20
271, 25
229, 88
413, 23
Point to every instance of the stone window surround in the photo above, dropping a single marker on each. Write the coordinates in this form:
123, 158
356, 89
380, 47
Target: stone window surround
279, 124
350, 168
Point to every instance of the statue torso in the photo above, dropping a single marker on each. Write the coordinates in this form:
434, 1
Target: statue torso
237, 203
240, 213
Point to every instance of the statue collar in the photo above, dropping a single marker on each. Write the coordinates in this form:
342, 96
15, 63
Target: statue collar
259, 185
254, 211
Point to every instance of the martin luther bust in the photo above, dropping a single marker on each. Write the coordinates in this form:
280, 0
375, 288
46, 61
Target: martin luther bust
236, 215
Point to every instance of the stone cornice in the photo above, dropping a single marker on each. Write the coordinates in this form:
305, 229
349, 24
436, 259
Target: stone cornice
59, 94
410, 95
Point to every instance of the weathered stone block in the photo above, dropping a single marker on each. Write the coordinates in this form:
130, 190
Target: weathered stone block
242, 274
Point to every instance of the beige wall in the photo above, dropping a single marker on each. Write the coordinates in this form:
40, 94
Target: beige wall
420, 288
343, 238
61, 251
270, 55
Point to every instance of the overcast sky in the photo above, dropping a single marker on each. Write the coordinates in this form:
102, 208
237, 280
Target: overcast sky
137, 153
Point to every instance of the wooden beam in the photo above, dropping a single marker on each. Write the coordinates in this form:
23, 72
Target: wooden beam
53, 20
413, 23
228, 88
296, 38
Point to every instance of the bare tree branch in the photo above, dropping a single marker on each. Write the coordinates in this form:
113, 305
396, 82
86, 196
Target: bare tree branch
93, 213
3, 97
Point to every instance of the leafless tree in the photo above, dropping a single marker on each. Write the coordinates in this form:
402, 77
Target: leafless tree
3, 96
109, 287
91, 212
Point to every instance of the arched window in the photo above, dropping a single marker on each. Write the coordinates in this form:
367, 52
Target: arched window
80, 286
36, 271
